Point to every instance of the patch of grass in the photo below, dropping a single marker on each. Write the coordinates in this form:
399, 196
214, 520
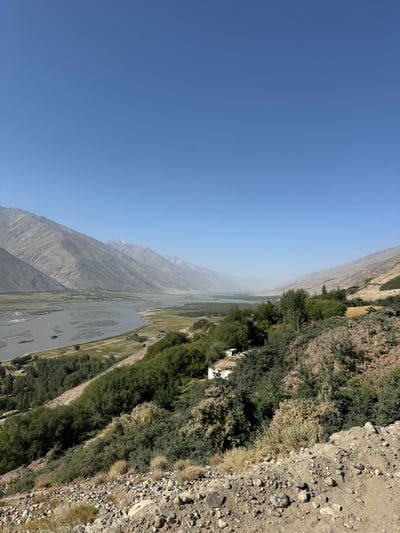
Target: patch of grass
157, 474
190, 473
120, 498
159, 462
352, 312
181, 464
99, 479
215, 459
65, 518
162, 320
43, 481
236, 460
118, 469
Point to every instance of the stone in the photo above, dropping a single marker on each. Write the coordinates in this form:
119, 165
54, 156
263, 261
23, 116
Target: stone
300, 484
221, 524
159, 522
280, 500
330, 482
183, 499
303, 496
336, 507
215, 500
370, 427
141, 506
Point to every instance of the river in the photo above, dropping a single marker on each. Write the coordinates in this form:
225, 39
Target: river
53, 326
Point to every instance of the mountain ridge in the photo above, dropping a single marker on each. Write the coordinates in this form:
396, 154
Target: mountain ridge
353, 274
76, 261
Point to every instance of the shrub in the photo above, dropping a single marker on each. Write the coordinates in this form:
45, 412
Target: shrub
296, 424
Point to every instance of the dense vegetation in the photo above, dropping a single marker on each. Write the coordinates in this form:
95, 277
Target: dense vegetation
304, 365
32, 381
393, 283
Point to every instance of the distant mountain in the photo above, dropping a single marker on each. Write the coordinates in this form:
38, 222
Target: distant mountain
77, 261
359, 273
17, 276
175, 273
71, 258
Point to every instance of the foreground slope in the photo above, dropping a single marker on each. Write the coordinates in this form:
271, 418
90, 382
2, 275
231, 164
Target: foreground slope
352, 482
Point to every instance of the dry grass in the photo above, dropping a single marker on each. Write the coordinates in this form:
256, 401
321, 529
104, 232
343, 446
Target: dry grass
215, 459
190, 473
120, 498
159, 462
181, 464
99, 479
157, 474
119, 468
352, 312
236, 460
43, 481
65, 518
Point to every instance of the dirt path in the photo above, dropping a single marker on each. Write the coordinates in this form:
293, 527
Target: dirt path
69, 396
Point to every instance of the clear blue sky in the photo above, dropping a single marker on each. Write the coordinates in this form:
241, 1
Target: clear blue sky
259, 138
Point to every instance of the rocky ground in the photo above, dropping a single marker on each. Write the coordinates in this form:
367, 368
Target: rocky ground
352, 482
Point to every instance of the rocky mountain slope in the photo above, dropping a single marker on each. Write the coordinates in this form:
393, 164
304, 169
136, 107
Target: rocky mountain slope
174, 272
77, 261
18, 276
352, 274
350, 483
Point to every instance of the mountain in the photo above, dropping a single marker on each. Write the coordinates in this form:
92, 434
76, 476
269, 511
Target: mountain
174, 273
358, 273
18, 276
71, 258
77, 261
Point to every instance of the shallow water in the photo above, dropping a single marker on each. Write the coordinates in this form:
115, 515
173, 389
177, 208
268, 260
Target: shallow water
72, 323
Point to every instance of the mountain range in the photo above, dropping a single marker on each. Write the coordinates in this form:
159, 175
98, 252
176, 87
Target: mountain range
365, 275
37, 254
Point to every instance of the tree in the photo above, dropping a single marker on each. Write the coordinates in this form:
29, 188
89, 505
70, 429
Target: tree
293, 307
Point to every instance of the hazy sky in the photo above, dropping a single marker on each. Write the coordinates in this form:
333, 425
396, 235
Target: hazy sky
259, 138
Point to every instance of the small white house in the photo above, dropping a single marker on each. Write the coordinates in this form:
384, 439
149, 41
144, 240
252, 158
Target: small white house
221, 369
231, 352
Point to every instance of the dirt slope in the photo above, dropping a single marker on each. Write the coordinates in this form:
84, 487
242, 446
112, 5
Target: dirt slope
351, 483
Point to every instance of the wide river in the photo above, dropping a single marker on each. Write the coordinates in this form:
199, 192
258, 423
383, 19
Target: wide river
63, 324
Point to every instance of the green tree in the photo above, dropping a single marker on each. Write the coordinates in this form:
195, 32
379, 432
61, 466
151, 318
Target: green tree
293, 307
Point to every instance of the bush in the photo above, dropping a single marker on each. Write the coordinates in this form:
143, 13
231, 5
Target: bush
296, 424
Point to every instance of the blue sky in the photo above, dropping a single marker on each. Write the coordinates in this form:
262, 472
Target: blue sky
258, 138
